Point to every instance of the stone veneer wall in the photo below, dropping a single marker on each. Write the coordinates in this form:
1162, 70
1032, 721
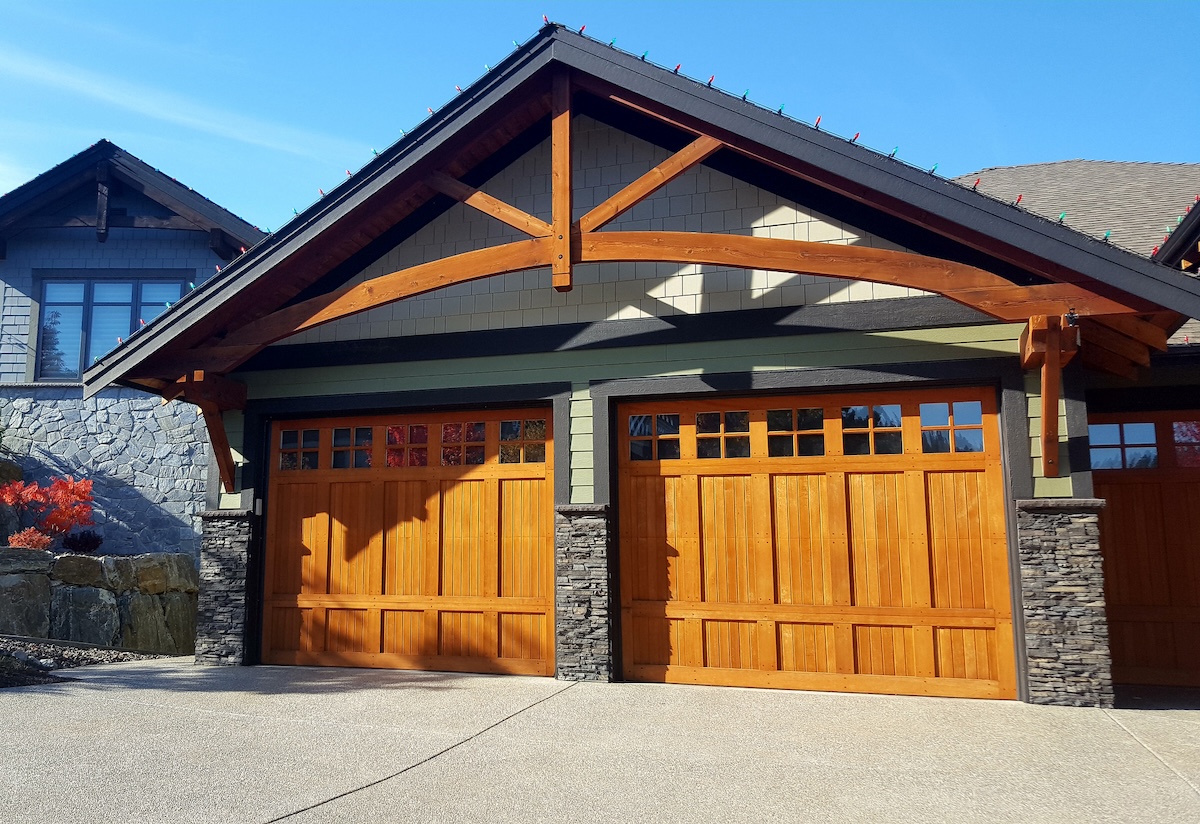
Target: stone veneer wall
1062, 591
147, 461
144, 602
582, 593
221, 615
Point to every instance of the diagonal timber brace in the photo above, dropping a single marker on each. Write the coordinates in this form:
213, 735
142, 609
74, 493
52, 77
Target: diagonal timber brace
214, 395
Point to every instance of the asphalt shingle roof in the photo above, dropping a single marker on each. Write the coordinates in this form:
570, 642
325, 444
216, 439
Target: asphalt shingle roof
1138, 202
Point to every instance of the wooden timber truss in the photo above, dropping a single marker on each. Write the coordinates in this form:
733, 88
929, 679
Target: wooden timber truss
1110, 330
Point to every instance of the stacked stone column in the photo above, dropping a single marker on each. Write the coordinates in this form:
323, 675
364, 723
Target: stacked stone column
221, 612
1062, 592
582, 593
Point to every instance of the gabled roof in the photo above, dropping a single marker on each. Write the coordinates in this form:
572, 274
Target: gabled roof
84, 169
1138, 203
336, 236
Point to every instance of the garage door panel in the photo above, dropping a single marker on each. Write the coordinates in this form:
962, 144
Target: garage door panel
407, 519
654, 541
404, 541
967, 653
885, 650
817, 569
522, 635
465, 634
346, 630
804, 555
807, 647
525, 571
879, 539
958, 540
728, 546
293, 568
403, 632
732, 644
354, 539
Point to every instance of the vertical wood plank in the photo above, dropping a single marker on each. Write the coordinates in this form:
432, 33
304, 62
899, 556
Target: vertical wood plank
561, 182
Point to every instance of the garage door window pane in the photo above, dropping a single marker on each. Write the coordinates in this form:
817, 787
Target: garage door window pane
968, 440
779, 420
810, 446
779, 446
935, 414
638, 451
810, 419
737, 447
888, 443
1138, 433
1106, 458
935, 441
641, 426
298, 449
667, 424
737, 421
1104, 434
887, 417
856, 444
856, 417
968, 413
708, 447
1141, 457
535, 453
511, 430
708, 423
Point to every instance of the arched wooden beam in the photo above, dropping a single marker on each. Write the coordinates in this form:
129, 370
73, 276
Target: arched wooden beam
965, 284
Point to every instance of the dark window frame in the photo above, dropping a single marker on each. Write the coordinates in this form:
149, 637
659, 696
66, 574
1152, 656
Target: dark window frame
137, 306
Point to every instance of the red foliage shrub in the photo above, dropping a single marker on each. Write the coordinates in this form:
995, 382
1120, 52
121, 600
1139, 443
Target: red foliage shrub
55, 509
30, 538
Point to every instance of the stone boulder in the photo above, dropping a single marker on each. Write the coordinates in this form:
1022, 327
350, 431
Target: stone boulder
181, 573
19, 559
25, 605
143, 626
85, 614
151, 573
179, 610
81, 571
121, 575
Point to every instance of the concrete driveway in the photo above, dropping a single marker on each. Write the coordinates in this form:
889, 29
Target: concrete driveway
166, 741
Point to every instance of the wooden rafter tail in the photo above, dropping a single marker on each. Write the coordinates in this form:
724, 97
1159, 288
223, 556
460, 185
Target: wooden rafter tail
561, 262
1144, 332
1096, 334
483, 202
1051, 391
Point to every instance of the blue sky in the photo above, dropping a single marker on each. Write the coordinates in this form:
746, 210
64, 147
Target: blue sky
257, 105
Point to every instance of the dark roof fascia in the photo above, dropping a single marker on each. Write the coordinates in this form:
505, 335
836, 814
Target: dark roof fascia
81, 168
381, 171
165, 189
866, 168
1184, 238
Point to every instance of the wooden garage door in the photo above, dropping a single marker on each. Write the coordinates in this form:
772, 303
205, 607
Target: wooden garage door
412, 541
1147, 467
834, 542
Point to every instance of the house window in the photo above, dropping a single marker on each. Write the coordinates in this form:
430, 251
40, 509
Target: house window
82, 319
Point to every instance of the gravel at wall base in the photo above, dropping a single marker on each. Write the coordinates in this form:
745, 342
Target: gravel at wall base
25, 663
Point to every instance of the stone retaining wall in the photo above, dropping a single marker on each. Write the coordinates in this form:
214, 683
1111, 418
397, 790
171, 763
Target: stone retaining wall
1062, 592
141, 602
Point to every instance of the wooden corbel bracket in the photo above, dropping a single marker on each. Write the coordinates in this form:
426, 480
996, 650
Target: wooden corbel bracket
214, 395
1048, 343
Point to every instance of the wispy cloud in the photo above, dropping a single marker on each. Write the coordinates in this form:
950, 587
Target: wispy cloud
172, 108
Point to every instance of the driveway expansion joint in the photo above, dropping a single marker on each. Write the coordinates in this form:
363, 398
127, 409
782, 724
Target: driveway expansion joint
1151, 750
